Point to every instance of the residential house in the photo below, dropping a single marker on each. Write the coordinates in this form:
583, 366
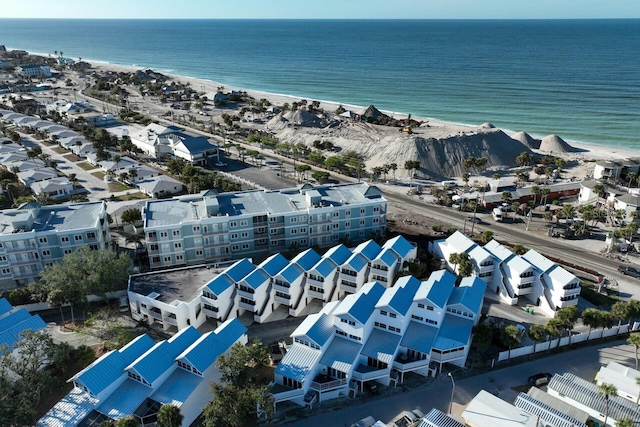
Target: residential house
482, 260
157, 141
614, 169
437, 418
14, 322
141, 377
622, 377
550, 410
160, 186
630, 203
213, 227
513, 276
32, 236
33, 71
55, 188
322, 278
486, 409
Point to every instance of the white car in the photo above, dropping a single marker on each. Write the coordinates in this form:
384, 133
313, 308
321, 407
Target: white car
220, 164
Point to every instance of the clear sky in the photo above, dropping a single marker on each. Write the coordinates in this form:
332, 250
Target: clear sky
321, 9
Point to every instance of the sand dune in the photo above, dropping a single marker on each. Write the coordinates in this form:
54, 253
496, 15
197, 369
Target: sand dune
527, 140
555, 145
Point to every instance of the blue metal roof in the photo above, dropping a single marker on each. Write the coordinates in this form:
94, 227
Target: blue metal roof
219, 284
388, 257
325, 267
439, 287
5, 306
9, 320
274, 264
419, 337
307, 259
341, 354
202, 353
381, 345
125, 399
317, 327
257, 278
369, 249
454, 332
104, 371
366, 301
405, 290
176, 389
13, 334
240, 270
158, 359
291, 273
338, 254
357, 262
399, 245
298, 363
470, 293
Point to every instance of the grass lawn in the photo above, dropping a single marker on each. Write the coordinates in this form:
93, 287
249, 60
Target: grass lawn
98, 174
589, 292
59, 150
73, 158
86, 166
115, 187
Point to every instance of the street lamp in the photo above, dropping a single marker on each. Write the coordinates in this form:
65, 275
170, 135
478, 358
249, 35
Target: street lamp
453, 390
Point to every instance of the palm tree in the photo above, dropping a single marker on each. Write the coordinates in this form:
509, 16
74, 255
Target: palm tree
394, 168
545, 193
568, 316
634, 340
632, 177
169, 416
510, 337
568, 211
554, 329
625, 422
537, 333
608, 391
592, 318
116, 160
536, 192
411, 166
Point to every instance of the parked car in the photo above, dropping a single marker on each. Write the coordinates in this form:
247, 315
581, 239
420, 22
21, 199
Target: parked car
539, 379
474, 219
629, 271
371, 386
220, 164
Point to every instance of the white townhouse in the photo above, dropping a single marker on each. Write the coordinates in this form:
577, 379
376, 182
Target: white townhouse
33, 71
554, 287
622, 377
141, 377
378, 334
483, 262
212, 227
353, 274
322, 278
33, 235
186, 296
513, 277
391, 259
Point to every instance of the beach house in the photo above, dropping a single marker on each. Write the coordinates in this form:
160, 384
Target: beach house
482, 260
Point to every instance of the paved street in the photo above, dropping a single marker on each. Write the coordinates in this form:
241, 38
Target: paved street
436, 393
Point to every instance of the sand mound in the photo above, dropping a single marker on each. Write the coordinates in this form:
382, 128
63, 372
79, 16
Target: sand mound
372, 112
527, 140
296, 118
555, 144
487, 125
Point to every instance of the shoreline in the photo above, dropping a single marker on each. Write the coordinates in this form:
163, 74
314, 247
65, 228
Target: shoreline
589, 151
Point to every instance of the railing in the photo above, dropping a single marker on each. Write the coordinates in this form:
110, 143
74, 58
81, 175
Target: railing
170, 320
503, 276
155, 314
440, 357
371, 375
287, 395
282, 299
410, 364
210, 313
328, 385
303, 284
315, 294
231, 305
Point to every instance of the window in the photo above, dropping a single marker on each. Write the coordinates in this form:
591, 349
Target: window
233, 223
179, 257
196, 228
382, 312
362, 211
235, 247
335, 225
176, 232
167, 259
152, 235
376, 209
413, 316
347, 224
177, 245
380, 325
163, 234
347, 212
153, 247
67, 251
91, 235
64, 239
303, 230
303, 241
294, 231
294, 219
394, 329
199, 252
302, 219
243, 223
46, 253
245, 246
6, 270
156, 259
376, 220
3, 258
77, 238
244, 234
362, 222
392, 315
42, 240
430, 307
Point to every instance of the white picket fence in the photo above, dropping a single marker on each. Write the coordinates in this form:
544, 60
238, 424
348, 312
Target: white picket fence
585, 336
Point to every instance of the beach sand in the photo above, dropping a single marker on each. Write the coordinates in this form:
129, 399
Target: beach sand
579, 164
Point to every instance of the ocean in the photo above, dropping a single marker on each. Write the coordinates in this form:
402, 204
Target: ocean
578, 79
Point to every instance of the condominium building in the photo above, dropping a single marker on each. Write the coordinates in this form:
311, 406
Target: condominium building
33, 236
214, 227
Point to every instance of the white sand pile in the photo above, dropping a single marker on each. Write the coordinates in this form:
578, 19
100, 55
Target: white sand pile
487, 125
296, 118
527, 140
555, 144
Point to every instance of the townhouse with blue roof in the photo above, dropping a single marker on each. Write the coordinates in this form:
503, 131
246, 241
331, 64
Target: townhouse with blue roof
14, 323
379, 334
143, 376
190, 295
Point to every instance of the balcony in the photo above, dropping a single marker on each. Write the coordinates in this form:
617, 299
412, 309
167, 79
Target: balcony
446, 357
211, 312
155, 313
367, 373
23, 261
246, 305
245, 294
281, 286
282, 393
171, 319
316, 294
215, 230
403, 363
325, 383
283, 299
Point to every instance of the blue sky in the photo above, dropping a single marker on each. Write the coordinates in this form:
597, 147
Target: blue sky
321, 9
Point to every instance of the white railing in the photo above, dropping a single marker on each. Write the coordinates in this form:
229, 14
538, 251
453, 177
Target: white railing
287, 395
408, 366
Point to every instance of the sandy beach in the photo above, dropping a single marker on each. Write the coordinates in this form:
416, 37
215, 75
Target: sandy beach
579, 164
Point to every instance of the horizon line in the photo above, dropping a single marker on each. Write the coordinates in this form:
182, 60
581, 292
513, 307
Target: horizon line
321, 19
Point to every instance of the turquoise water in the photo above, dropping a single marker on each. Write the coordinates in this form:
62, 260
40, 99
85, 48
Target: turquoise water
578, 79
